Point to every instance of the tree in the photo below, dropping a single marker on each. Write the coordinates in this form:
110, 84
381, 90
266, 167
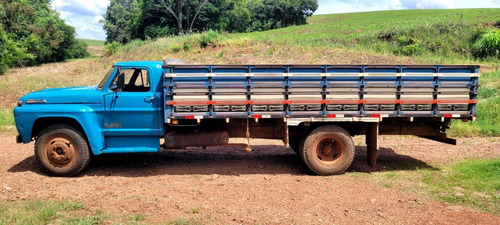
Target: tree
236, 19
126, 20
272, 14
118, 20
32, 33
10, 52
170, 5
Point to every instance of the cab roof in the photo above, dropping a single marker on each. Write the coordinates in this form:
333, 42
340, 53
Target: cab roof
151, 64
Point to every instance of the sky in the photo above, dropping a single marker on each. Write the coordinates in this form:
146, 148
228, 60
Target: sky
85, 15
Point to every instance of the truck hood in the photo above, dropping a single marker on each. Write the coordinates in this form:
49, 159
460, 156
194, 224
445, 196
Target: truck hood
71, 95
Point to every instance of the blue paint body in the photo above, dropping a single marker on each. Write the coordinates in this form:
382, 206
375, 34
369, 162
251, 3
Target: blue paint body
140, 119
118, 122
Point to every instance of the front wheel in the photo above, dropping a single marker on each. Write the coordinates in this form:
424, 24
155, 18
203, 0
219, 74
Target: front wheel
328, 150
62, 151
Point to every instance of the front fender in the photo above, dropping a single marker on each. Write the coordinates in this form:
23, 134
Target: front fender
88, 116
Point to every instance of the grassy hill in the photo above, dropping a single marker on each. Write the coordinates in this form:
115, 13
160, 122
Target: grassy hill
387, 37
92, 42
94, 47
443, 36
375, 30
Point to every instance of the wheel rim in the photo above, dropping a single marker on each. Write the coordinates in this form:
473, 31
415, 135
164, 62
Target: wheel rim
60, 151
329, 151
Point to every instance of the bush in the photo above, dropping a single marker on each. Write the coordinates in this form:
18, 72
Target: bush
176, 48
186, 46
409, 50
77, 50
112, 48
403, 41
208, 39
487, 45
407, 46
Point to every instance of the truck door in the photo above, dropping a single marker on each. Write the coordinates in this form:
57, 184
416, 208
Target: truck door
132, 110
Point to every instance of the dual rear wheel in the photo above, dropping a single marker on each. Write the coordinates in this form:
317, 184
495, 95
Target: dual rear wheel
327, 150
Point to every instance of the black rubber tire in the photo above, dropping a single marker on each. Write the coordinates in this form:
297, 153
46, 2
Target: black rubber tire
324, 142
296, 144
61, 163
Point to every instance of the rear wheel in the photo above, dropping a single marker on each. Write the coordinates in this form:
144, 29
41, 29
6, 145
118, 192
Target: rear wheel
328, 150
62, 151
296, 144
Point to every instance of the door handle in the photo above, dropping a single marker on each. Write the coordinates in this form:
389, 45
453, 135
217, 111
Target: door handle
149, 99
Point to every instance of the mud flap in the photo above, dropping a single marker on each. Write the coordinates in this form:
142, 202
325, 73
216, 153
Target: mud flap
372, 130
441, 138
19, 139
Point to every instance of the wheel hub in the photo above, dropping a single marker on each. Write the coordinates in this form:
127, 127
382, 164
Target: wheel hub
60, 152
328, 150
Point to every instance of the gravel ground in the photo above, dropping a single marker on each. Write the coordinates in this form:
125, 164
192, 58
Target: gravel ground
230, 186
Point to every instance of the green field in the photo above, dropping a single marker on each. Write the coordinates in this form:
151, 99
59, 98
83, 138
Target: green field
487, 123
92, 42
426, 36
6, 120
440, 33
474, 183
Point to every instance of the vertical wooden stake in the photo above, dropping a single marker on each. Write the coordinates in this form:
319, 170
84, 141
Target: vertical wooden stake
285, 135
248, 149
372, 130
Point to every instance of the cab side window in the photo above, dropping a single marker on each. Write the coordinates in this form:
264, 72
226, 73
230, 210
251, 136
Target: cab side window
136, 80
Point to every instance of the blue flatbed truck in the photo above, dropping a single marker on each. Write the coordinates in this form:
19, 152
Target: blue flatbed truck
315, 109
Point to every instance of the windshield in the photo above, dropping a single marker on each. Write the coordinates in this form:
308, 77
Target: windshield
106, 78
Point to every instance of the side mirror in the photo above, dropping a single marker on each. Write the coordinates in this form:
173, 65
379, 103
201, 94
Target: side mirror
120, 83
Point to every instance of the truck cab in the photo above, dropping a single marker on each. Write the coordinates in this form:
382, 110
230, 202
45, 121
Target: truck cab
123, 113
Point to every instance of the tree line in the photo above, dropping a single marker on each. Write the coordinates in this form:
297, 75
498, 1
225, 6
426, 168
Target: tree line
32, 33
126, 20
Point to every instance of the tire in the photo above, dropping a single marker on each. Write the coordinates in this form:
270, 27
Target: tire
62, 151
295, 145
328, 150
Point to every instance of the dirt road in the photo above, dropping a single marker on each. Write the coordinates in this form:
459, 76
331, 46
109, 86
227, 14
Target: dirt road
230, 186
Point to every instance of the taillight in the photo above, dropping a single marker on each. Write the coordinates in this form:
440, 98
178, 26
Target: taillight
20, 103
